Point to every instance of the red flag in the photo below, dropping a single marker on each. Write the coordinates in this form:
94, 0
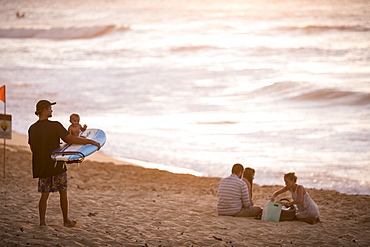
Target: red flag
2, 93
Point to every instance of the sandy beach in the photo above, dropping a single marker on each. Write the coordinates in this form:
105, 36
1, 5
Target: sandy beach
120, 204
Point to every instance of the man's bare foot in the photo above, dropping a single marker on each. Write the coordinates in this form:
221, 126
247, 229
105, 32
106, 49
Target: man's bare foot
70, 223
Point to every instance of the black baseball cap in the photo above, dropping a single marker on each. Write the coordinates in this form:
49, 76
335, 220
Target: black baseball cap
43, 104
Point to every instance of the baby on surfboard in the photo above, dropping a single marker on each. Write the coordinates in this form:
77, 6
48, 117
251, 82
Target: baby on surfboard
75, 126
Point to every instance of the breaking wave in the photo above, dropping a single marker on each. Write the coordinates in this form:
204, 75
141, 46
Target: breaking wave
60, 33
333, 95
303, 92
319, 28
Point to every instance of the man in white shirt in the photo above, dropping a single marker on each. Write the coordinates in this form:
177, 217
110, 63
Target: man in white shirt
233, 196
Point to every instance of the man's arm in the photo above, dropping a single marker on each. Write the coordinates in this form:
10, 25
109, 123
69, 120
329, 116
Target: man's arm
77, 140
246, 201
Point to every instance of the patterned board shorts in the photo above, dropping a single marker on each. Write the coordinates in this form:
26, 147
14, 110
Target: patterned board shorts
52, 184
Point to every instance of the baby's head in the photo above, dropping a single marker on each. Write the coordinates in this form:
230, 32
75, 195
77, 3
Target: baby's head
74, 119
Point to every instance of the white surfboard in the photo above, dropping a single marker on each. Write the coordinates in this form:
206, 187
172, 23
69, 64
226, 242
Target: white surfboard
76, 152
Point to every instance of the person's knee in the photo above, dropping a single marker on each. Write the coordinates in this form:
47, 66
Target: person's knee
63, 192
257, 211
45, 195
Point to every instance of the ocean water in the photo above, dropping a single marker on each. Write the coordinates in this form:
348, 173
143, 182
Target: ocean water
279, 86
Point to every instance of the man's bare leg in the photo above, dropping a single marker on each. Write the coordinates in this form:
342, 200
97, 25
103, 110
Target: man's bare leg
43, 203
64, 206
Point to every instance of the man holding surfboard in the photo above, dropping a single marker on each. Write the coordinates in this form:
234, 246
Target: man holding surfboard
43, 137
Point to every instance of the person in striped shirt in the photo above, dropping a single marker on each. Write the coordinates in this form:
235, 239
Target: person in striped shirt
233, 196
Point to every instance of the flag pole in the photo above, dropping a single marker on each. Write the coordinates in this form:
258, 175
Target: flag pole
4, 138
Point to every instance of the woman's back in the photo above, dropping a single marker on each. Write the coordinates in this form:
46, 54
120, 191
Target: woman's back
307, 208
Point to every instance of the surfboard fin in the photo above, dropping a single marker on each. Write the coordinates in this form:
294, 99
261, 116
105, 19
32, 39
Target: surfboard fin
79, 157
